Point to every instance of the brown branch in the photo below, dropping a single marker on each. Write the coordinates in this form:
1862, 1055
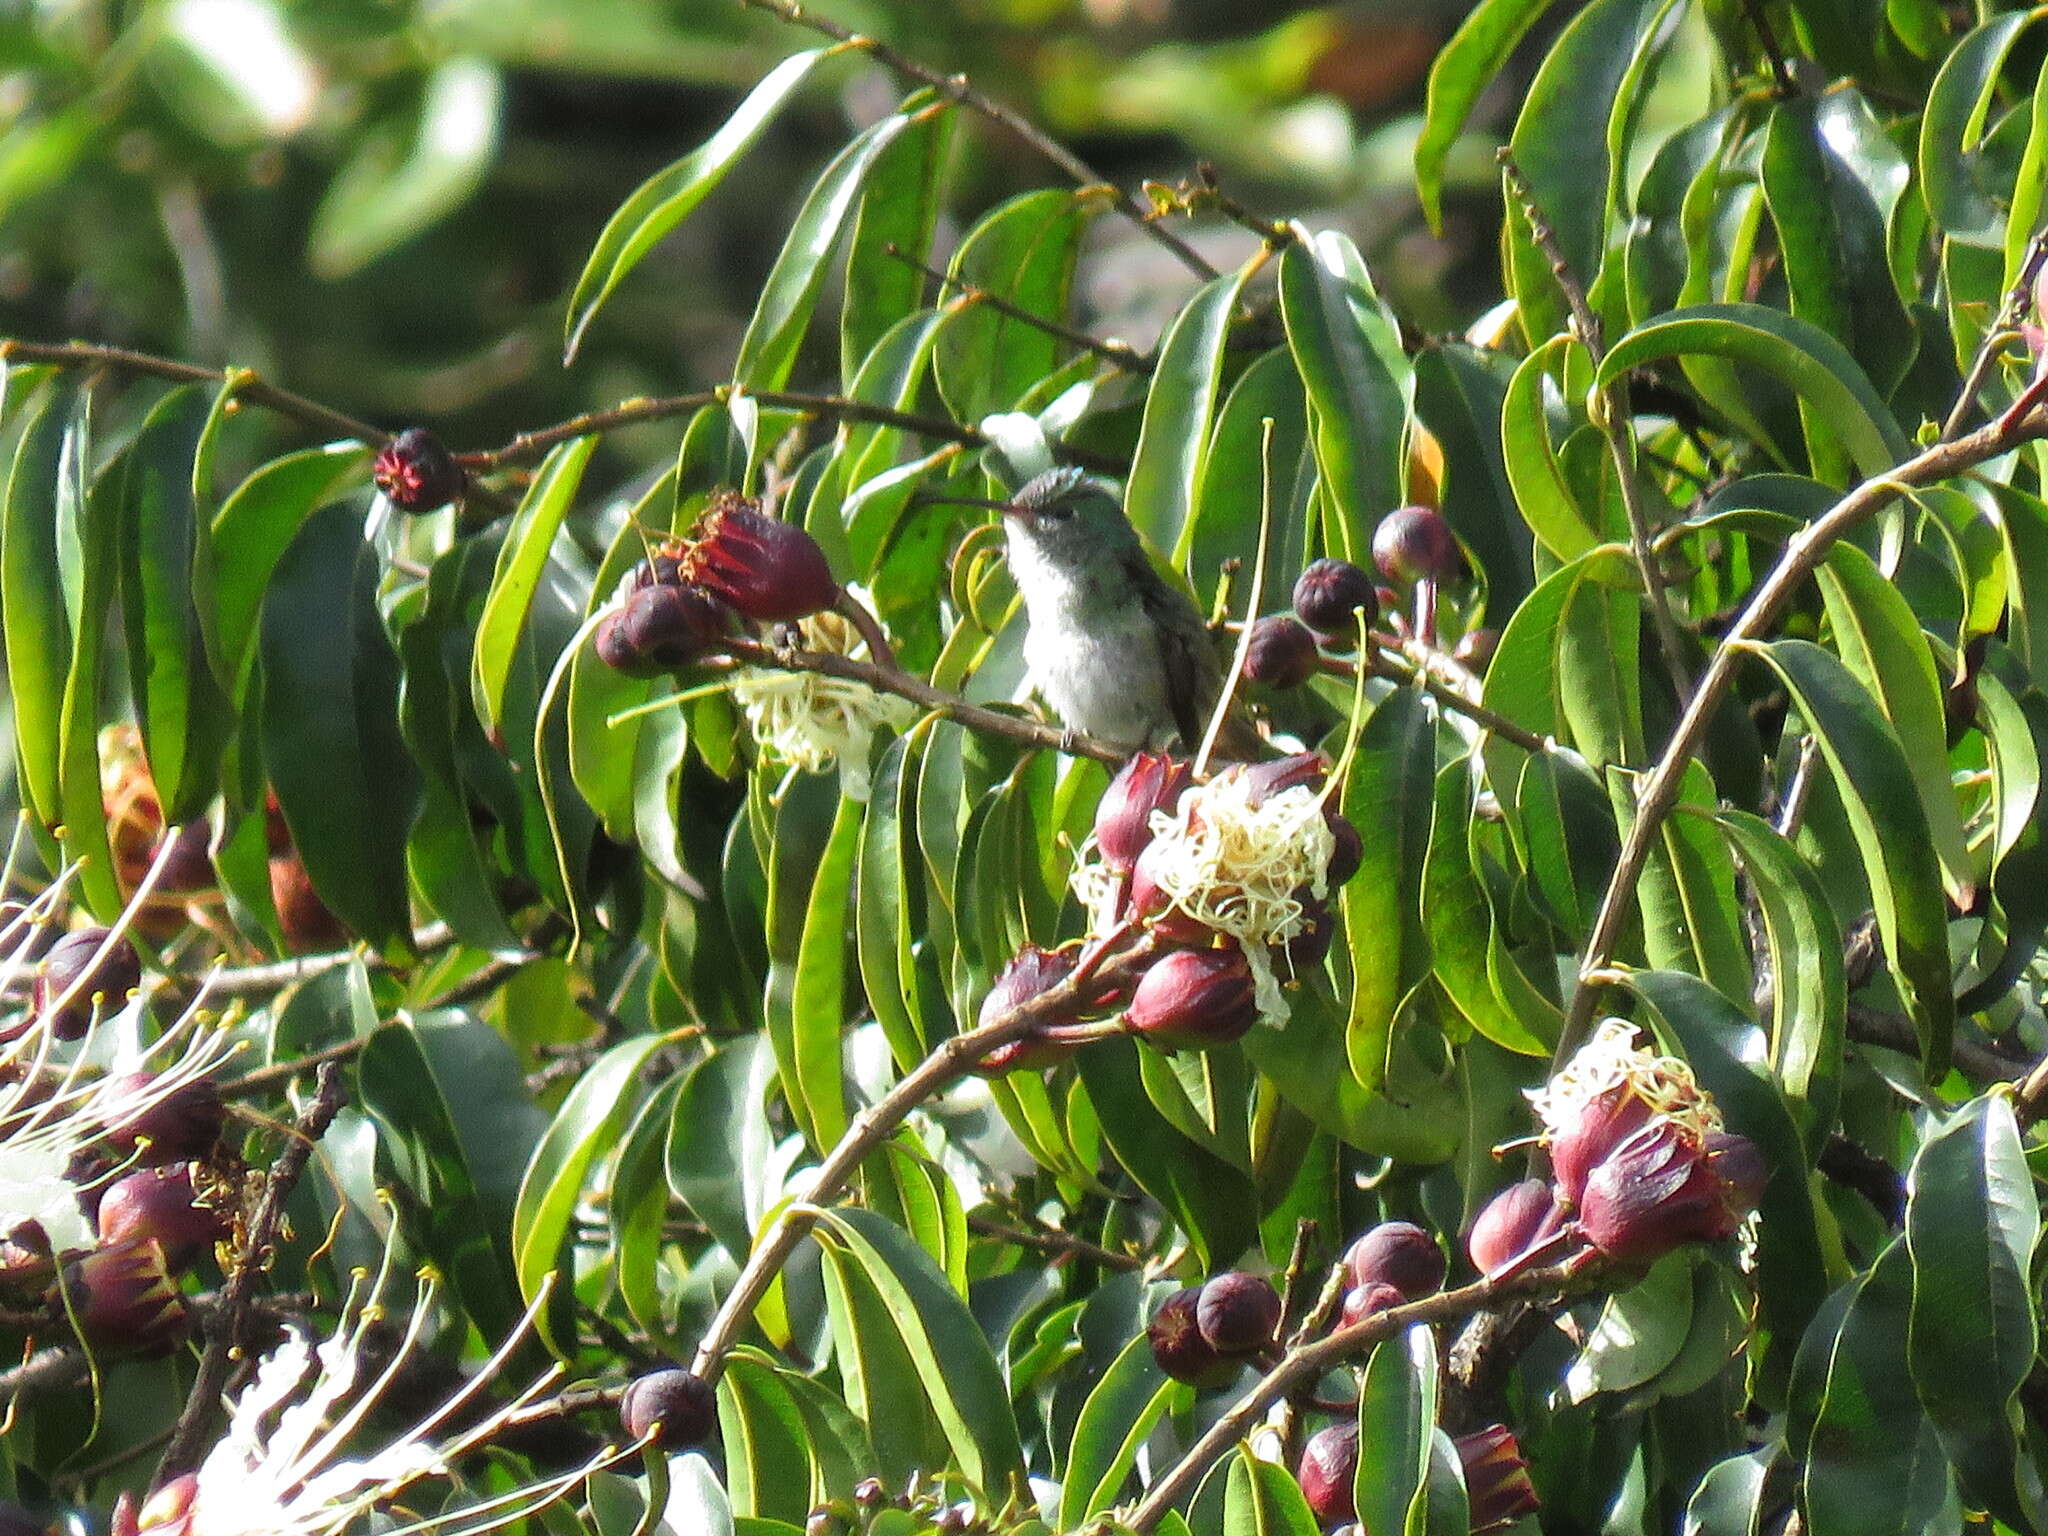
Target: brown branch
1305, 1363
1802, 554
958, 89
951, 1059
1396, 668
1116, 353
247, 385
2001, 330
226, 1334
1050, 1240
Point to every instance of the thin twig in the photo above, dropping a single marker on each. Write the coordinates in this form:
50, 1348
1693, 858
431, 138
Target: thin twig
1614, 425
958, 88
225, 1335
950, 1060
1781, 72
2002, 329
1803, 552
248, 386
1116, 353
1305, 1363
1396, 668
1050, 1240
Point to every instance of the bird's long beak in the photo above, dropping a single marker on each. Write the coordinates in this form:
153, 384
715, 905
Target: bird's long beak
1007, 508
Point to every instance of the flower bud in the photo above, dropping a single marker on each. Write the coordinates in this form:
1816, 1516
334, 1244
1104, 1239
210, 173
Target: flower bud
1175, 1334
26, 1264
869, 1493
1281, 653
1361, 1302
167, 1127
1400, 1254
655, 571
616, 651
1195, 998
1497, 1487
168, 1511
670, 626
1475, 648
1150, 781
953, 1520
1147, 902
1265, 780
1415, 544
1510, 1224
771, 571
1660, 1190
679, 1408
1328, 1474
1031, 971
1349, 852
1328, 594
1237, 1313
826, 1521
163, 1204
417, 474
125, 1300
188, 864
1306, 949
70, 967
304, 919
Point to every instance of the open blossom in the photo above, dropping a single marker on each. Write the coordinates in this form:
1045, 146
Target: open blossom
1610, 1089
812, 721
280, 1471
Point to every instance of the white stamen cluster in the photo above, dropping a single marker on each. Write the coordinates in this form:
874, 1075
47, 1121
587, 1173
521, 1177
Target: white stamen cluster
1612, 1060
811, 720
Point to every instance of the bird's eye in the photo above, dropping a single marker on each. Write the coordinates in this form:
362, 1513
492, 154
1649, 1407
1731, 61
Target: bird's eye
1059, 512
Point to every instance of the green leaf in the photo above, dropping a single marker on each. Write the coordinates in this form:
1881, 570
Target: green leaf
1548, 500
818, 994
184, 715
1872, 1464
1023, 251
411, 172
1461, 396
959, 1374
1388, 797
1883, 806
49, 467
1967, 189
582, 1132
1260, 1499
1972, 1223
899, 206
720, 1141
1233, 488
1173, 442
1358, 405
880, 1375
92, 527
1132, 1396
1880, 641
1844, 407
812, 830
637, 1203
770, 1469
1466, 65
1397, 1406
1460, 922
1809, 987
522, 559
783, 311
1691, 920
331, 741
668, 197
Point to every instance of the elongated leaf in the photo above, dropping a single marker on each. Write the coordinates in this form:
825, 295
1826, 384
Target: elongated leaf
881, 1377
770, 1469
1972, 1222
818, 996
1465, 66
1024, 250
1963, 186
960, 1375
1460, 921
1548, 499
637, 1204
522, 560
582, 1132
1396, 1424
1260, 1499
1129, 1400
1173, 443
899, 207
1884, 812
665, 199
720, 1140
48, 466
92, 526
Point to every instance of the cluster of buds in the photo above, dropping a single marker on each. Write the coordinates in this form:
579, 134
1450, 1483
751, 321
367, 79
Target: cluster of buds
874, 1508
1391, 1264
1205, 1333
1639, 1163
738, 564
1498, 1491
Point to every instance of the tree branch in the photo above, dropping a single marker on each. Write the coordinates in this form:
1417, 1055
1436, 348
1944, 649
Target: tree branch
958, 89
2001, 330
1117, 354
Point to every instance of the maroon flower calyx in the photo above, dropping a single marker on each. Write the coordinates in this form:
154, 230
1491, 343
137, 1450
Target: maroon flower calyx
1281, 653
173, 1206
1328, 597
1363, 1301
1148, 782
675, 1409
1519, 1218
1415, 544
416, 473
167, 1126
1237, 1313
1497, 1487
1328, 1474
1175, 1336
1662, 1188
1193, 999
75, 976
1611, 1089
1400, 1254
771, 571
1031, 971
125, 1300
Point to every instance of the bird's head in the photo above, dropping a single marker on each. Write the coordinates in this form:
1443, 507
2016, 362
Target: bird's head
1068, 517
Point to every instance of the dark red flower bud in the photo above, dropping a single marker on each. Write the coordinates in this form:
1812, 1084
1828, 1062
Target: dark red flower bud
678, 1407
1031, 971
1415, 544
26, 1263
1327, 595
168, 1511
1175, 1335
125, 1300
1237, 1313
771, 571
1475, 649
188, 866
951, 1521
1349, 852
1497, 1487
671, 626
1603, 1124
169, 1127
1269, 779
1362, 1301
304, 919
70, 967
1660, 1190
1400, 1254
417, 474
163, 1204
656, 571
1280, 654
616, 651
1510, 1224
869, 1493
1150, 781
1195, 998
16, 1521
1328, 1474
1307, 948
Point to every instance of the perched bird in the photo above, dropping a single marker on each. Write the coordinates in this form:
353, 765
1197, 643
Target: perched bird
1116, 652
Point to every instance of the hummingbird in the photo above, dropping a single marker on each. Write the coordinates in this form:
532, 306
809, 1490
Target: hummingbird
1114, 650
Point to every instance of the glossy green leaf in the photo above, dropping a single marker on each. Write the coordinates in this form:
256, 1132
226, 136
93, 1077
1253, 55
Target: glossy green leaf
668, 197
882, 1386
331, 740
1972, 1223
770, 1468
1691, 919
637, 1203
1120, 1413
522, 560
900, 205
92, 526
1397, 1407
1966, 190
583, 1130
720, 1140
1024, 250
1548, 500
1459, 920
1234, 485
1173, 442
1260, 1499
49, 466
1464, 67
